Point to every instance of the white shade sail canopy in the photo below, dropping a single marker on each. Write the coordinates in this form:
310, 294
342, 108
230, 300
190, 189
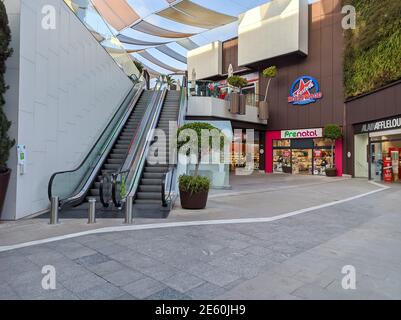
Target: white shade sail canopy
170, 27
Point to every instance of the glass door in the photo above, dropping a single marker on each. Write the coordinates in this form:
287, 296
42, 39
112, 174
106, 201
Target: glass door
376, 162
302, 161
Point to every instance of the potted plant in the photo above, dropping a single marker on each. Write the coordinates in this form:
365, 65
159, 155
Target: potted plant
268, 73
332, 132
5, 142
171, 83
238, 102
194, 189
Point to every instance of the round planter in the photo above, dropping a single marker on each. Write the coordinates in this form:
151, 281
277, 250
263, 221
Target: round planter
4, 180
263, 110
194, 201
234, 103
331, 172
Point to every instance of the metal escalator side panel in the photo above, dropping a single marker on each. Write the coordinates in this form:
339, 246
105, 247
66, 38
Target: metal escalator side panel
135, 161
71, 186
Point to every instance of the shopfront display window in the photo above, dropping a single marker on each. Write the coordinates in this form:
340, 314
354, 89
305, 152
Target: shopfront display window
302, 156
239, 150
384, 158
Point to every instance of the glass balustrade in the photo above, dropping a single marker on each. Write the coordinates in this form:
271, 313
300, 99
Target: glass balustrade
104, 34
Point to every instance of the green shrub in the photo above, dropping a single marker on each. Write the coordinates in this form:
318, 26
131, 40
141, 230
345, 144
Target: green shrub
5, 52
270, 72
332, 132
194, 184
372, 56
237, 81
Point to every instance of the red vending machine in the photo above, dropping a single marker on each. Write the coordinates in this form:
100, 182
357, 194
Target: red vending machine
387, 169
394, 154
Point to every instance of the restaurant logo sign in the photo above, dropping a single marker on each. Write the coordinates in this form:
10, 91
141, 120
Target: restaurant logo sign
381, 125
302, 134
304, 90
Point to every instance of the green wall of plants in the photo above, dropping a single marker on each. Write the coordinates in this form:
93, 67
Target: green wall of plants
372, 56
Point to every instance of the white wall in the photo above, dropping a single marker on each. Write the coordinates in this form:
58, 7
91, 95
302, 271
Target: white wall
273, 29
206, 60
218, 108
361, 164
69, 87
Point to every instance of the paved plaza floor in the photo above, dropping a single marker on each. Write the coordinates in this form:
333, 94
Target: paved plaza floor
267, 241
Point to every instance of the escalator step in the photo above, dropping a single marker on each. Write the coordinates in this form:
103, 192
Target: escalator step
145, 181
155, 169
112, 166
150, 188
115, 161
148, 175
148, 196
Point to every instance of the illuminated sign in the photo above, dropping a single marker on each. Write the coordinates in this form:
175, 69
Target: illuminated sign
304, 90
302, 134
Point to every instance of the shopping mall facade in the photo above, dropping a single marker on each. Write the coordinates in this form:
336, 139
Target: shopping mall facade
308, 60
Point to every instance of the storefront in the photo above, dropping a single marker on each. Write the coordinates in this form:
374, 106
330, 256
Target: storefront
301, 151
239, 149
377, 150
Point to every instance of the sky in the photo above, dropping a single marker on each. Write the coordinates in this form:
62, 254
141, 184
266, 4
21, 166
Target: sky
146, 8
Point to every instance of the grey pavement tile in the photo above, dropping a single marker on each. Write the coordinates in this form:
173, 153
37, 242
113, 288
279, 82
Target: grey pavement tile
110, 249
123, 277
78, 252
106, 267
259, 250
46, 257
219, 277
144, 288
81, 283
93, 259
126, 296
7, 292
159, 271
183, 282
169, 294
60, 294
205, 291
105, 291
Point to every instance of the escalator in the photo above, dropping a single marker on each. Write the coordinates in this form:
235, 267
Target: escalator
149, 179
119, 152
148, 199
108, 154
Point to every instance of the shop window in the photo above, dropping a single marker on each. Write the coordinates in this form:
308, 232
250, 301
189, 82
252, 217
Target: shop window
282, 160
281, 143
322, 142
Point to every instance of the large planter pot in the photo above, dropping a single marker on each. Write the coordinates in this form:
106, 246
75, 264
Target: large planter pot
234, 103
4, 180
331, 172
194, 201
242, 104
263, 110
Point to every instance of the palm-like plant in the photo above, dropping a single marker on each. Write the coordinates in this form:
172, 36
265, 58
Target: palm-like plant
170, 81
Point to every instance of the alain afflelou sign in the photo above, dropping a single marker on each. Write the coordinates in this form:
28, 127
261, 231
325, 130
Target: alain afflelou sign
380, 125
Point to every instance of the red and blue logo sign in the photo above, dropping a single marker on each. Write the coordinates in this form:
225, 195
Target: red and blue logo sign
304, 90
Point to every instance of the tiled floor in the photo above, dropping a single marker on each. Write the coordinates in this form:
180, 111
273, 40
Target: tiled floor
299, 257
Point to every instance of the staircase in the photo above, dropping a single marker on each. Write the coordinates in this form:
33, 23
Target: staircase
148, 201
119, 151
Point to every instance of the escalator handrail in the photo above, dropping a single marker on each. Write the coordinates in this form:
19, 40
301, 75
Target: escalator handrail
134, 99
134, 166
168, 182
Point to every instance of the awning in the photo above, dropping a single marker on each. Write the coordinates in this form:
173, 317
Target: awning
187, 12
118, 13
157, 62
137, 42
149, 28
171, 53
188, 44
